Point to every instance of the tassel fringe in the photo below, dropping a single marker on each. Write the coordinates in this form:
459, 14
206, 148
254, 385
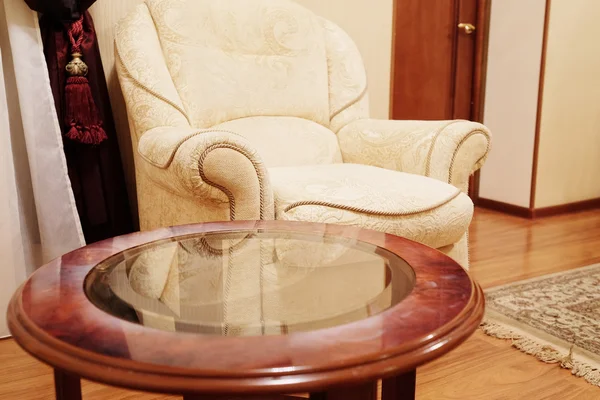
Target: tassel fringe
81, 113
543, 352
82, 120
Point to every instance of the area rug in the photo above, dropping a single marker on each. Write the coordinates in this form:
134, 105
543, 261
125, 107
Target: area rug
555, 318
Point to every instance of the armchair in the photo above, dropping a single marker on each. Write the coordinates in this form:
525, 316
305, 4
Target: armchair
259, 110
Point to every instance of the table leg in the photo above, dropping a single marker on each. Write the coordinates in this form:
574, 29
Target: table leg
401, 387
367, 391
265, 397
67, 386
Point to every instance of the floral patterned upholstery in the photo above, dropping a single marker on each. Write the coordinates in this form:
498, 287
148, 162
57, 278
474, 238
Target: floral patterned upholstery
269, 118
412, 206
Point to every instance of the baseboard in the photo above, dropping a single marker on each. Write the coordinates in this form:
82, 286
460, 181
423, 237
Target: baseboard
566, 208
538, 212
511, 209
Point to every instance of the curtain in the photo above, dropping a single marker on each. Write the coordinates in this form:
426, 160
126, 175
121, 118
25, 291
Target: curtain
38, 216
16, 254
95, 171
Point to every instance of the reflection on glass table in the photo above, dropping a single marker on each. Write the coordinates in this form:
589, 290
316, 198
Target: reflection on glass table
246, 284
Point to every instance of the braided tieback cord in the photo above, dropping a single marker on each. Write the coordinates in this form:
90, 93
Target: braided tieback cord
81, 114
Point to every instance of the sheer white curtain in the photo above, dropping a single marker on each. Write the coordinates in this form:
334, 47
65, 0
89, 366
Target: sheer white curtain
38, 217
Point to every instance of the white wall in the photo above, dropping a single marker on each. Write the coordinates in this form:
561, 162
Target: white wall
569, 150
514, 60
369, 24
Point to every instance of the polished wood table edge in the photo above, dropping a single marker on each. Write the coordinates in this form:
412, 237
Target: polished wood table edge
65, 349
300, 383
407, 348
160, 378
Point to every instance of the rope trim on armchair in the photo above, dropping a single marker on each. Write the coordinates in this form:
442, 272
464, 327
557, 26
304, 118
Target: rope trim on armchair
181, 142
349, 104
460, 144
148, 89
458, 147
434, 141
203, 245
362, 210
227, 192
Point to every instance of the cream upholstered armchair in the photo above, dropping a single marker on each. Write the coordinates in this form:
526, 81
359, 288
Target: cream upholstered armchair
258, 110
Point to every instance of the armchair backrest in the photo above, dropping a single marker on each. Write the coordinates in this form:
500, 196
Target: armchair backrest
198, 63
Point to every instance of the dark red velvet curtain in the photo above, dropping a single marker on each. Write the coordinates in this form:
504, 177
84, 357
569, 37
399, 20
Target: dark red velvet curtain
60, 10
95, 171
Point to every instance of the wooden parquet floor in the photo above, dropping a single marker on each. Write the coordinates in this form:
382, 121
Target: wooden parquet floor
503, 249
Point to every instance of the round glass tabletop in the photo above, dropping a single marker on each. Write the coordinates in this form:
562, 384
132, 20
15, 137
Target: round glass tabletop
252, 307
249, 283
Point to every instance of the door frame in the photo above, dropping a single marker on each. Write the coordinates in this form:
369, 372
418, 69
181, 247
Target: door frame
479, 79
479, 72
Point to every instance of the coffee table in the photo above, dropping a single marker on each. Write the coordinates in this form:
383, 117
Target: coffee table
234, 310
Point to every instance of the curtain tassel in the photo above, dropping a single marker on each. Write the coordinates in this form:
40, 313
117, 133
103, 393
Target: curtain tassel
81, 114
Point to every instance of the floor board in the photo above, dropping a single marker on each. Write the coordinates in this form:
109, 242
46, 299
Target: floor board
503, 249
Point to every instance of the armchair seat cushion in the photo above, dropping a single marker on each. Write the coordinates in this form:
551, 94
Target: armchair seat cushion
412, 206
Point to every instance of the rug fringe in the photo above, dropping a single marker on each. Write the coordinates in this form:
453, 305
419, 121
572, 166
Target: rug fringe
542, 352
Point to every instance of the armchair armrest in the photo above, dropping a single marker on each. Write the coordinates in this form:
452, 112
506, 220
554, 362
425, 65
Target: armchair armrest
449, 151
208, 164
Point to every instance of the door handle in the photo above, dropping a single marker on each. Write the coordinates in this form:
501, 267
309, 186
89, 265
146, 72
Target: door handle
467, 28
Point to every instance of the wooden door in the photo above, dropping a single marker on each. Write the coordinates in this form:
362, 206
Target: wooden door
437, 65
438, 60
